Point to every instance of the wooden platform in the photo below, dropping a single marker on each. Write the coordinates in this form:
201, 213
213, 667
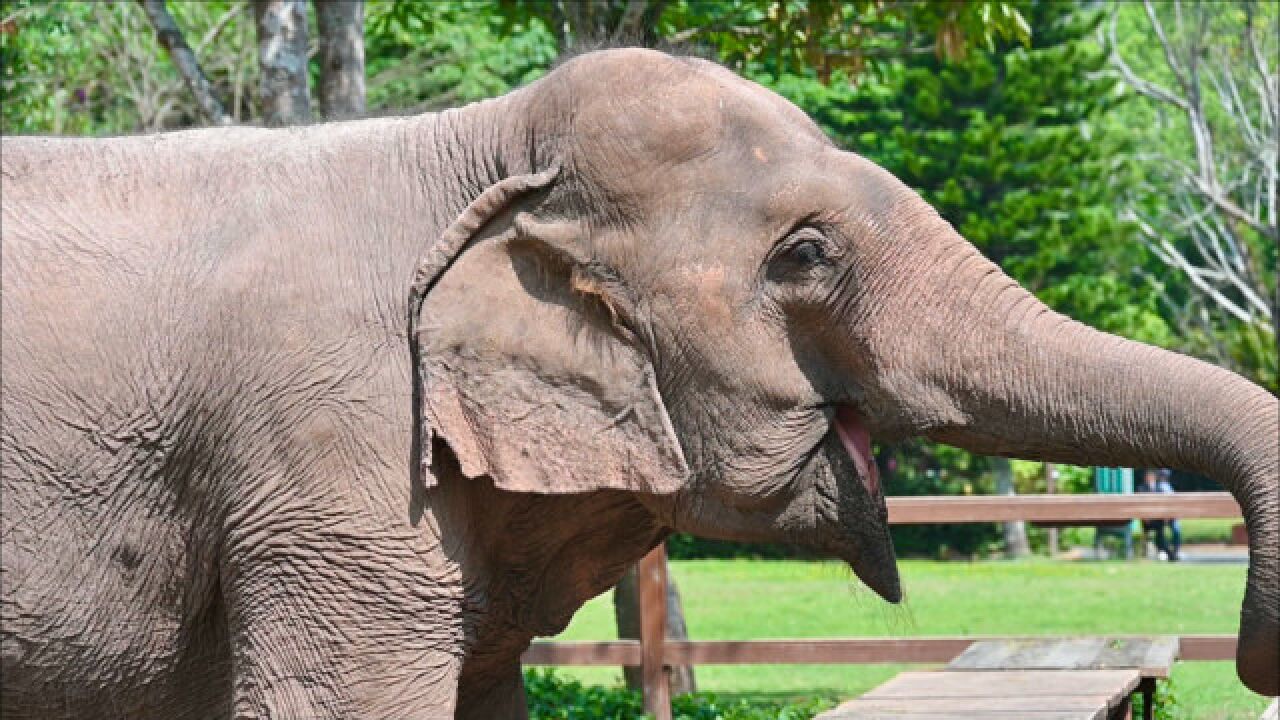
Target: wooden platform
996, 695
1152, 657
1081, 678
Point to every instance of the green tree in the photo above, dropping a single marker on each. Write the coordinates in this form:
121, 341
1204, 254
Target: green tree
781, 35
1012, 145
1009, 146
97, 69
430, 56
826, 37
1204, 106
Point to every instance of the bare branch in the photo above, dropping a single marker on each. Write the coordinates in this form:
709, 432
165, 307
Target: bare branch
1171, 256
1145, 87
690, 33
1164, 39
1259, 61
628, 27
171, 38
1228, 206
216, 29
1210, 209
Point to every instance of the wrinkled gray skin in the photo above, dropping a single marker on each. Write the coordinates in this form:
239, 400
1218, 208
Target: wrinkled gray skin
210, 497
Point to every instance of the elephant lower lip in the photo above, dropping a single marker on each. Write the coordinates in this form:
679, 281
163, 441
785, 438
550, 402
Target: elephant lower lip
857, 442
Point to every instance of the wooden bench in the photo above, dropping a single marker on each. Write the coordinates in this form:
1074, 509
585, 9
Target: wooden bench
1037, 679
996, 695
1152, 657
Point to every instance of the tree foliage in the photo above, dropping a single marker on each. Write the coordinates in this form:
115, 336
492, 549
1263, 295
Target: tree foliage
782, 35
1204, 112
97, 69
430, 56
826, 36
555, 697
93, 68
1009, 145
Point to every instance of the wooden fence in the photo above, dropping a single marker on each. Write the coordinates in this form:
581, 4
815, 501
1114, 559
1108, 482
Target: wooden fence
654, 654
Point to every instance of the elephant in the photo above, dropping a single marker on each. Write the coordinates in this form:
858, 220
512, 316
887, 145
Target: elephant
331, 421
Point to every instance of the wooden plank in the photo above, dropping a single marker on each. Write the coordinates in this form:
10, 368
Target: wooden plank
1207, 647
1090, 706
652, 575
1152, 656
945, 684
1087, 509
854, 714
614, 652
1070, 653
995, 695
814, 651
1160, 657
1054, 703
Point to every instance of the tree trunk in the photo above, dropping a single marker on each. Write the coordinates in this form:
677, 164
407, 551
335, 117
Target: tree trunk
341, 24
282, 59
626, 609
582, 23
1051, 487
174, 43
1015, 533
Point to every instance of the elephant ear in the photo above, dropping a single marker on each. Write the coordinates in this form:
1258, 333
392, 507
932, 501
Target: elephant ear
523, 363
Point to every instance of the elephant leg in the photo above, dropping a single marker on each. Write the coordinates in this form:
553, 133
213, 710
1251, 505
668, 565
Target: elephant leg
329, 620
496, 696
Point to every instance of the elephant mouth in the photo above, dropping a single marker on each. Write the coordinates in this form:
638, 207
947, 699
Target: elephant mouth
856, 440
870, 555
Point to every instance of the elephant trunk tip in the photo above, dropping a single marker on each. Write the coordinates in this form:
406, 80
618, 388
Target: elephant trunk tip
1258, 659
882, 579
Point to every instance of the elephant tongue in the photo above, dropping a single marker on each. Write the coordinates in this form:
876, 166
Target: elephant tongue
857, 442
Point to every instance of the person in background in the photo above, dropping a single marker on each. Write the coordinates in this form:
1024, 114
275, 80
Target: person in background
1156, 480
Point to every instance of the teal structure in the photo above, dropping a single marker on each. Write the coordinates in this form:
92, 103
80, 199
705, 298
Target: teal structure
1113, 481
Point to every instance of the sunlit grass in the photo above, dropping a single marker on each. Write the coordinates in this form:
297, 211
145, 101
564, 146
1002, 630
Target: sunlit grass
746, 599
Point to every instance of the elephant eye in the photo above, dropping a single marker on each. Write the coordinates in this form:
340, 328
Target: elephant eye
808, 252
804, 253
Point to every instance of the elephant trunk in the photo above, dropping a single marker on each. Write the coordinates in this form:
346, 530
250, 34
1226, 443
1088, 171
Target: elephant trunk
1017, 379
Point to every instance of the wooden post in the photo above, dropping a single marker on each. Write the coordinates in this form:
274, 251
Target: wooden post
1051, 487
626, 611
652, 575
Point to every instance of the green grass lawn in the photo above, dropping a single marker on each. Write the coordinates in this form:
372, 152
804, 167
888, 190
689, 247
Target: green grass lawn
746, 599
1207, 530
1195, 531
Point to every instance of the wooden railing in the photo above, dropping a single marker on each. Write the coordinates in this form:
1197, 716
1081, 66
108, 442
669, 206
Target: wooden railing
653, 653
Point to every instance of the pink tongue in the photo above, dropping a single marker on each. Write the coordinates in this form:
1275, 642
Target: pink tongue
857, 442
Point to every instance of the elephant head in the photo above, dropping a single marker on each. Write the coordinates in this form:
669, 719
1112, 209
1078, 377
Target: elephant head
698, 298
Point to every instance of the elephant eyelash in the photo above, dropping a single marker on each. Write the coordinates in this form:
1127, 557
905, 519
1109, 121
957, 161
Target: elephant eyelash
804, 235
809, 251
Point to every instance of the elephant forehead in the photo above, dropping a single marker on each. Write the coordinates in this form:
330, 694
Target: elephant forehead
637, 113
625, 134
